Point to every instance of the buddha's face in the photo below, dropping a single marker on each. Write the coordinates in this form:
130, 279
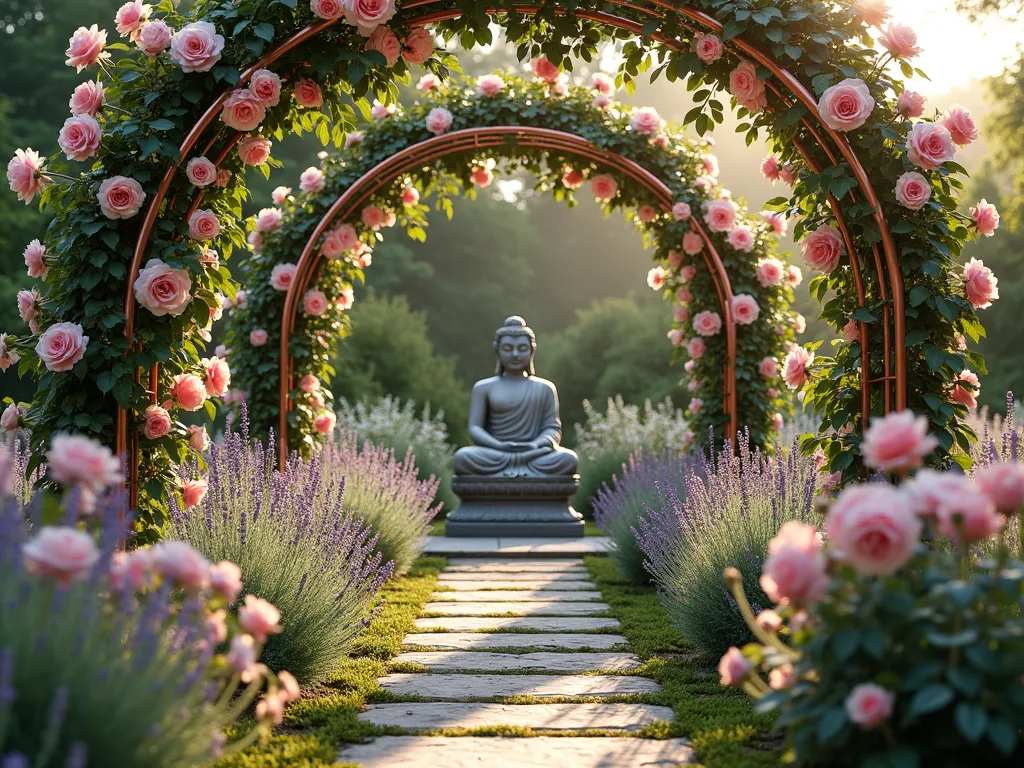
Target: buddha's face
514, 352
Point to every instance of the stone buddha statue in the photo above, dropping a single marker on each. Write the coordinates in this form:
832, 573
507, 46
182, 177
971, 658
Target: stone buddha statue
513, 416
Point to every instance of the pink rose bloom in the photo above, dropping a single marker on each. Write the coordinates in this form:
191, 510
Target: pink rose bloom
380, 111
681, 211
696, 348
851, 332
799, 323
927, 488
1003, 483
269, 219
308, 94
873, 12
734, 667
770, 272
201, 172
188, 391
281, 276
373, 217
243, 111
910, 104
197, 47
481, 177
572, 179
61, 346
960, 124
980, 284
216, 376
684, 295
258, 337
601, 101
120, 197
770, 168
410, 196
900, 40
154, 38
254, 150
241, 299
80, 137
439, 120
80, 460
721, 215
674, 259
309, 384
327, 9
35, 255
338, 240
708, 48
203, 225
353, 139
27, 306
793, 276
794, 367
823, 248
695, 405
62, 552
87, 98
681, 314
603, 83
259, 618
223, 177
24, 174
794, 571
311, 180
12, 416
255, 239
428, 82
986, 218
869, 705
846, 105
693, 243
130, 17
929, 145
157, 422
899, 441
768, 367
280, 195
242, 653
418, 46
646, 214
266, 86
675, 336
193, 492
646, 120
748, 90
741, 238
324, 423
777, 422
368, 14
131, 571
198, 440
545, 70
875, 528
769, 621
386, 43
656, 278
967, 516
710, 163
180, 563
604, 186
966, 395
781, 677
788, 173
777, 221
913, 190
86, 47
226, 578
745, 309
707, 323
162, 289
345, 299
690, 366
314, 302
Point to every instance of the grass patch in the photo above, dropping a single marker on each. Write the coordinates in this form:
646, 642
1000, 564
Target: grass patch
719, 722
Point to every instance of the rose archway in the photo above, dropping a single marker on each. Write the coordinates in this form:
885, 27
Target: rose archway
875, 183
732, 294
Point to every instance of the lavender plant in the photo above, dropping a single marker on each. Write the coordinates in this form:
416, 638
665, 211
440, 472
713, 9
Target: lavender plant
297, 546
386, 493
724, 515
617, 507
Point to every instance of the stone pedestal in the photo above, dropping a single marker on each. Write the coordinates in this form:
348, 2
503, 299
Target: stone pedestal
515, 507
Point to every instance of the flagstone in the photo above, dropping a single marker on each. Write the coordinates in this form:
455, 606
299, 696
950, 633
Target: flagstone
535, 608
450, 687
518, 623
505, 584
540, 661
541, 717
459, 576
485, 567
516, 596
462, 641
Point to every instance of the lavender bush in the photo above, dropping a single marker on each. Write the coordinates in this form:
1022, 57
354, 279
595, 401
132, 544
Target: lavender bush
617, 508
297, 546
1000, 439
109, 658
724, 515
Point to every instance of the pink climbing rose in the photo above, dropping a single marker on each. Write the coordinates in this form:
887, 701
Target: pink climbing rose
65, 553
980, 284
545, 70
913, 190
795, 367
910, 104
156, 422
130, 17
604, 186
847, 105
897, 442
79, 460
741, 238
216, 376
721, 215
281, 276
154, 38
734, 667
869, 705
968, 516
80, 137
900, 40
311, 180
708, 48
61, 346
243, 110
929, 145
259, 618
490, 85
873, 12
324, 423
823, 248
439, 120
966, 395
770, 168
770, 272
269, 219
198, 439
768, 367
258, 337
986, 218
308, 93
327, 9
1003, 483
120, 197
418, 46
961, 126
696, 348
201, 172
367, 15
707, 323
646, 120
385, 42
874, 527
25, 174
794, 570
254, 150
162, 289
188, 391
747, 88
87, 98
85, 47
745, 309
35, 259
203, 225
692, 243
266, 86
193, 492
314, 302
196, 47
656, 278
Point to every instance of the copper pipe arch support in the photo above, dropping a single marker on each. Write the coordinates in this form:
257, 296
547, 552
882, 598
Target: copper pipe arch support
413, 157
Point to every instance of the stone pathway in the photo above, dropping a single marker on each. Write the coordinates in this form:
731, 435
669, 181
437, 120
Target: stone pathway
504, 628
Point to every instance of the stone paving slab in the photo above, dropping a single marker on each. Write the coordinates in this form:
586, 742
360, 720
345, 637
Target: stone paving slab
463, 641
512, 568
541, 661
515, 547
537, 752
476, 586
516, 596
514, 565
517, 623
483, 686
541, 717
534, 608
445, 576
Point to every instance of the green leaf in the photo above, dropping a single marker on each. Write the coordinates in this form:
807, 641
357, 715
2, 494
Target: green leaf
1003, 735
916, 337
845, 643
831, 723
211, 409
956, 640
965, 680
930, 699
946, 307
935, 357
163, 124
919, 295
106, 381
863, 314
971, 721
264, 31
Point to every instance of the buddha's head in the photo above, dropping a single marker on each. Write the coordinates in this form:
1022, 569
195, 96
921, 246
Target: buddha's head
515, 344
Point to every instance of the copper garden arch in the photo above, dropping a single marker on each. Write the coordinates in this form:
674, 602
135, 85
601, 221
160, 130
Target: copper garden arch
831, 143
